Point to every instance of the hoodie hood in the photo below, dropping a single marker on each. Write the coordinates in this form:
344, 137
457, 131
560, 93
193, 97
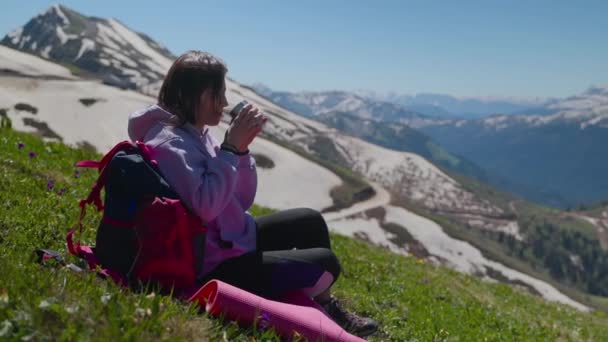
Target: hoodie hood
142, 121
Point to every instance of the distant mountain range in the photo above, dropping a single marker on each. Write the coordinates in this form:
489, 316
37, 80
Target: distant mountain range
102, 47
314, 103
401, 137
549, 153
556, 159
427, 104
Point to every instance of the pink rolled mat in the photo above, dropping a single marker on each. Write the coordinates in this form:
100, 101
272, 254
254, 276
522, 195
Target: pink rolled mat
296, 313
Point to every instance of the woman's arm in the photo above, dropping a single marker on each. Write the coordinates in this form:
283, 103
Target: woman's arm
247, 182
205, 184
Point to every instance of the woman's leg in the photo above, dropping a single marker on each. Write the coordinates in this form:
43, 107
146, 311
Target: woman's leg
311, 270
274, 273
294, 228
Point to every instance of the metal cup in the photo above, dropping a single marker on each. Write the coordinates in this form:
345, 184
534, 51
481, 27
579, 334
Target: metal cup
237, 109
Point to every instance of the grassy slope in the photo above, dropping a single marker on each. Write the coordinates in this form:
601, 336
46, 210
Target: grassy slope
524, 211
412, 300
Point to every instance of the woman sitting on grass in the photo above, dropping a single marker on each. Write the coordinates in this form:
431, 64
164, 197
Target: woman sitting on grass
269, 255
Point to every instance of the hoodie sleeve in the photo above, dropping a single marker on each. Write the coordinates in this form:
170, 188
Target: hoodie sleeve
247, 182
247, 178
206, 184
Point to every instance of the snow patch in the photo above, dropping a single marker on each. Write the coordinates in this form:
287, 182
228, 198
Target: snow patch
159, 63
104, 61
15, 35
463, 257
133, 73
411, 176
507, 227
30, 65
135, 77
64, 37
366, 229
498, 122
103, 124
124, 59
24, 41
56, 9
118, 58
85, 46
107, 37
45, 52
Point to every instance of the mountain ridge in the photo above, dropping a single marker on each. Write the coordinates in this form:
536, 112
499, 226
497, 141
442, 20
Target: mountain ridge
439, 106
104, 47
500, 143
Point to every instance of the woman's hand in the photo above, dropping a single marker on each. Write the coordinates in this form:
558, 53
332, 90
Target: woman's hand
245, 127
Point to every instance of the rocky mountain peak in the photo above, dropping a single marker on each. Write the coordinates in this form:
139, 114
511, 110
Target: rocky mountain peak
103, 47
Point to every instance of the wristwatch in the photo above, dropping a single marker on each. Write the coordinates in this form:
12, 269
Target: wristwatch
232, 149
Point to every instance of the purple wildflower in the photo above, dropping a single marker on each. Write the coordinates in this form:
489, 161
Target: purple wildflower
76, 173
264, 322
20, 145
32, 154
50, 184
61, 191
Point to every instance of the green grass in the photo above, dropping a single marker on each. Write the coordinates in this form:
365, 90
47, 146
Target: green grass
558, 218
411, 299
440, 154
524, 211
493, 250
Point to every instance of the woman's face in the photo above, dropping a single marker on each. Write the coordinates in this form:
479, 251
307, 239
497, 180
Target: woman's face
210, 109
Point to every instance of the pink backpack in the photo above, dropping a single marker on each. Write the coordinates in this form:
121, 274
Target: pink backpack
146, 236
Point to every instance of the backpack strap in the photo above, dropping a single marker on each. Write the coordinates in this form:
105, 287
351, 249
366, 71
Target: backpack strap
121, 146
146, 153
95, 194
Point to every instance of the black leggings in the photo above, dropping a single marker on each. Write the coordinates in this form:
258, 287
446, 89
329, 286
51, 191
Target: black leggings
293, 252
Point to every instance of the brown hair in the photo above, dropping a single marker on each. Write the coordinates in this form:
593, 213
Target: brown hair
189, 76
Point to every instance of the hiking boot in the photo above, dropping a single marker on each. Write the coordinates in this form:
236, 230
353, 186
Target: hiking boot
356, 325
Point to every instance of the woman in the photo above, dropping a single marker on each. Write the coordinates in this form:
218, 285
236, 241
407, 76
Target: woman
270, 255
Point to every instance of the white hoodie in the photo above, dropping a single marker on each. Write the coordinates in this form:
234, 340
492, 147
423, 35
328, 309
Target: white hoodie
217, 185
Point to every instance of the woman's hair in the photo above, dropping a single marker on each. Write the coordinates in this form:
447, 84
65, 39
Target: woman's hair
189, 76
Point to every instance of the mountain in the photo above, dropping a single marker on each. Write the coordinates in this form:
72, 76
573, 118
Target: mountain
395, 199
545, 150
440, 105
400, 137
501, 225
555, 159
314, 103
394, 107
102, 47
373, 121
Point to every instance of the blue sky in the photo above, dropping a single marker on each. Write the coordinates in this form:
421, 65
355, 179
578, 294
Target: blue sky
462, 48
